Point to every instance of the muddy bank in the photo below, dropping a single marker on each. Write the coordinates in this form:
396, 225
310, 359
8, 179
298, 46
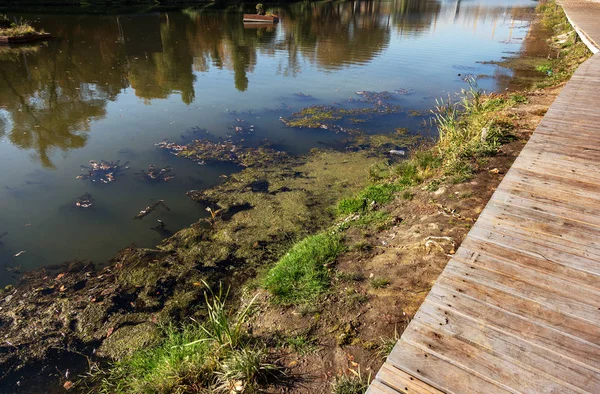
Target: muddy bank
75, 310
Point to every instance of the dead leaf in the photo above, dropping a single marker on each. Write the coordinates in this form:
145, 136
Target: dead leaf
494, 171
62, 288
60, 276
68, 385
197, 284
110, 331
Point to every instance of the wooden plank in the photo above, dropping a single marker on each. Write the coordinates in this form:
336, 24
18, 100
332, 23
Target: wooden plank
500, 346
429, 367
403, 382
536, 331
377, 387
510, 254
523, 289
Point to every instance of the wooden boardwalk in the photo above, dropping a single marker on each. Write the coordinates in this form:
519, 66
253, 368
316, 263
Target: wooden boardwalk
517, 309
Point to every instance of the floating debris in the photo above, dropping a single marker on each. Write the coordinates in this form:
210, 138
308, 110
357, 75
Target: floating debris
103, 171
376, 97
203, 151
20, 253
149, 209
161, 228
16, 269
305, 96
242, 127
156, 174
84, 201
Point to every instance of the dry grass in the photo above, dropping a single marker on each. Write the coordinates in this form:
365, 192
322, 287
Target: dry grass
20, 29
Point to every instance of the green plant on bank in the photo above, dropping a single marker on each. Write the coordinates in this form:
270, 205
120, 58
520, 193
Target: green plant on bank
470, 126
302, 274
379, 283
354, 383
217, 356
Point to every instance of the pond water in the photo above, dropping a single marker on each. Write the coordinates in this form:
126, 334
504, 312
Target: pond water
109, 87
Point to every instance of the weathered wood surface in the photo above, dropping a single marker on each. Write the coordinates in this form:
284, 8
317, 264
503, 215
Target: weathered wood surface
517, 309
583, 15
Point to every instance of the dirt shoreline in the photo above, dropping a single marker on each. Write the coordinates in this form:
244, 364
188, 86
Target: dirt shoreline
57, 319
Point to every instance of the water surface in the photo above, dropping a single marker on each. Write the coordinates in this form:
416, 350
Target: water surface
109, 87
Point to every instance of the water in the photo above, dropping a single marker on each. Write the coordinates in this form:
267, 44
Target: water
109, 87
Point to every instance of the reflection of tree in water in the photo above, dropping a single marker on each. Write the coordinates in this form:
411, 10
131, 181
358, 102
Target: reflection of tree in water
165, 65
52, 97
415, 16
336, 34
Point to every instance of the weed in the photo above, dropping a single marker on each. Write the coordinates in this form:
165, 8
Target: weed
221, 326
301, 344
19, 29
372, 194
216, 355
244, 369
362, 246
351, 205
167, 368
379, 283
301, 275
406, 195
349, 276
355, 299
518, 99
388, 343
354, 383
433, 185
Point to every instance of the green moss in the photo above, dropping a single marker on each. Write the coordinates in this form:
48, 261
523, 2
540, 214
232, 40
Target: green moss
301, 275
128, 339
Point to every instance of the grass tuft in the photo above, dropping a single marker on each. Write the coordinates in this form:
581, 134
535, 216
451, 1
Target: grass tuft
217, 356
302, 275
350, 384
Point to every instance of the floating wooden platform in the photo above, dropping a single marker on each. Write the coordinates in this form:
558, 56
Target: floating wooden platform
25, 39
517, 309
260, 18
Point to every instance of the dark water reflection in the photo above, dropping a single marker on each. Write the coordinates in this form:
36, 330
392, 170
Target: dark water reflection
110, 86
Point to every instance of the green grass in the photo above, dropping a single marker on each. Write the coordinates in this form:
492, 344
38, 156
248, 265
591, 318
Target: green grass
379, 283
301, 275
301, 344
218, 355
349, 276
377, 193
165, 369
